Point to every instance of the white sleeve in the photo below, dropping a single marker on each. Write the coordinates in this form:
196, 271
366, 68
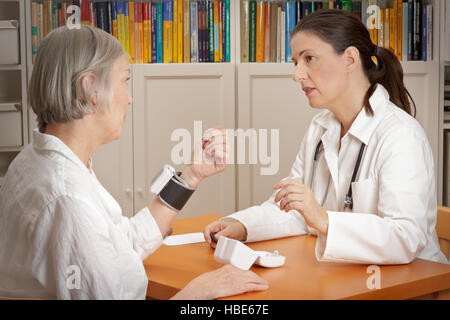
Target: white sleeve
267, 221
405, 192
75, 259
143, 232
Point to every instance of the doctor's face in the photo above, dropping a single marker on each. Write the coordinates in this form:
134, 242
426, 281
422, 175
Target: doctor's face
318, 69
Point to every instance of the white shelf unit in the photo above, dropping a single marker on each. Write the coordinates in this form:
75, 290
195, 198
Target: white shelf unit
236, 95
13, 91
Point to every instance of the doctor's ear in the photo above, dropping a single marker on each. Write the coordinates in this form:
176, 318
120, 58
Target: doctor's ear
351, 58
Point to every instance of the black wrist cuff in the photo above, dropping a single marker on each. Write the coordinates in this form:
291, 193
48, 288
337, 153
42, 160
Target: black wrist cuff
176, 193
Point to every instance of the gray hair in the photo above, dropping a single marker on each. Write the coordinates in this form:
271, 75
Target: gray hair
65, 56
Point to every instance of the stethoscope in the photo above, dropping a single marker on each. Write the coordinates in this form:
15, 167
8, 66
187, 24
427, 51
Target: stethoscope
348, 201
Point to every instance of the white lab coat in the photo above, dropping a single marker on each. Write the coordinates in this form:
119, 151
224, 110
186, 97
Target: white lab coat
394, 212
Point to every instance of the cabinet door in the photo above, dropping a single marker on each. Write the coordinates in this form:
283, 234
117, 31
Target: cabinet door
170, 99
270, 99
422, 82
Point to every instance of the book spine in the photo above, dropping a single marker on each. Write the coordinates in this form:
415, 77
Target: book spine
386, 23
273, 32
227, 31
290, 24
381, 32
180, 35
120, 14
175, 31
279, 39
405, 32
216, 31
267, 32
200, 40
194, 31
221, 51
283, 36
417, 30
140, 31
132, 16
298, 6
211, 31
399, 4
392, 30
410, 29
126, 28
114, 19
159, 33
147, 32
186, 31
347, 5
245, 28
168, 31
430, 32
153, 23
424, 33
252, 32
260, 31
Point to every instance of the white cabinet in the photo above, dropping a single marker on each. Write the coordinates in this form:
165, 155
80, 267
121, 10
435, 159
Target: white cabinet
168, 98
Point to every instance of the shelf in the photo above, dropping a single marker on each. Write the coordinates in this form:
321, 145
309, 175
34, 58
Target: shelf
446, 126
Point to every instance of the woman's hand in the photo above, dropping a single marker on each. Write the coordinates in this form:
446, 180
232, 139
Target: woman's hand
210, 156
227, 227
296, 196
223, 282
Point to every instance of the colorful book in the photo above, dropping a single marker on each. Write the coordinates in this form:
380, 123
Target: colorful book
153, 22
399, 44
290, 24
260, 31
245, 29
405, 31
175, 30
180, 35
186, 31
114, 19
194, 31
132, 13
267, 38
159, 33
221, 31
252, 31
227, 32
216, 31
168, 31
211, 43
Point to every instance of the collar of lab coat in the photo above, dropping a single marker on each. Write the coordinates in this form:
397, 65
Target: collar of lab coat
48, 142
364, 124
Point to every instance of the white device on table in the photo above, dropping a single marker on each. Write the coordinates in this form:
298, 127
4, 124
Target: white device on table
239, 255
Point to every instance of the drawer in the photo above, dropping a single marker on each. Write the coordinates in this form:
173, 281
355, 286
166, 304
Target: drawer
10, 125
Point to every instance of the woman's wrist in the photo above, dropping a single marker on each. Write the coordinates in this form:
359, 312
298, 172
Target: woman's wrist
190, 177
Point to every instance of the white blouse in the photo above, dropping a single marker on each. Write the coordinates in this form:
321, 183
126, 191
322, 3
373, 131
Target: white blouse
394, 195
63, 236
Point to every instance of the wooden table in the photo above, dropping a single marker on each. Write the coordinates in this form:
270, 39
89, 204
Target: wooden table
302, 277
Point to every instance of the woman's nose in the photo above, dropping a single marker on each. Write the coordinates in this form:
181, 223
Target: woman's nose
299, 73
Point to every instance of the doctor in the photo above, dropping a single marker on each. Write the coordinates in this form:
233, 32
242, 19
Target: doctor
363, 180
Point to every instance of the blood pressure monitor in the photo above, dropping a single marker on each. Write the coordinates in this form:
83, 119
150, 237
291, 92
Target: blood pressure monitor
170, 188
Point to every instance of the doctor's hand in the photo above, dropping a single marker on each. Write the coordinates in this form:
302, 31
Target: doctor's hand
227, 227
223, 282
295, 196
210, 156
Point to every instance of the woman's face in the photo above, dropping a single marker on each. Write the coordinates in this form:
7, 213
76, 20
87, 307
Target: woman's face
115, 116
319, 70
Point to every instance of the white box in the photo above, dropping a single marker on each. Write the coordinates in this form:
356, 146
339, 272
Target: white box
9, 39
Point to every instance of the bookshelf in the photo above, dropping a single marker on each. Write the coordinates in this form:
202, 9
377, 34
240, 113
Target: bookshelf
13, 89
236, 95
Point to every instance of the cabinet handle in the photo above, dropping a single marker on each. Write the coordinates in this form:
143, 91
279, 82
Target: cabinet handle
140, 191
128, 191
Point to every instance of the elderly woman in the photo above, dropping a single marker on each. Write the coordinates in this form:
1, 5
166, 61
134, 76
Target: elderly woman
62, 235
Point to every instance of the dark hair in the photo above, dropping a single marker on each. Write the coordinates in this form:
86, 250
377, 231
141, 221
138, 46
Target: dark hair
341, 30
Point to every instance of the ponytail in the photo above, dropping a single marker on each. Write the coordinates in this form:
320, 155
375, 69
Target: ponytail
341, 30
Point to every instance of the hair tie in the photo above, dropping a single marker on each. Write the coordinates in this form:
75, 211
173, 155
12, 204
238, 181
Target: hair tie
375, 54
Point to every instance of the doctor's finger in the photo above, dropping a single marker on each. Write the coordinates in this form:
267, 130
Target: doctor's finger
290, 198
295, 205
287, 182
289, 189
215, 226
